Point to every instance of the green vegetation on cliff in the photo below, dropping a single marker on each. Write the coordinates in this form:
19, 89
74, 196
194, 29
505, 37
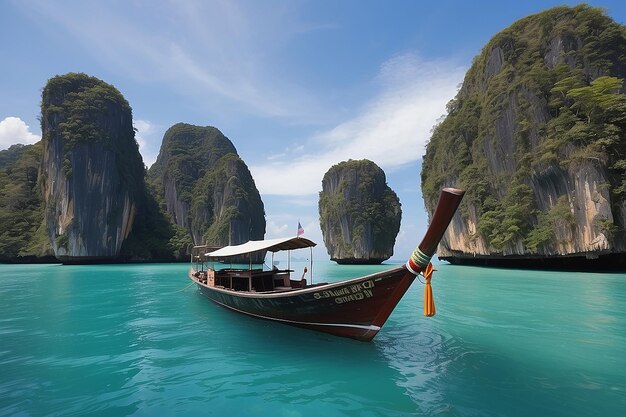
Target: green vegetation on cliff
21, 212
359, 214
80, 109
545, 93
206, 189
83, 104
11, 155
228, 199
186, 153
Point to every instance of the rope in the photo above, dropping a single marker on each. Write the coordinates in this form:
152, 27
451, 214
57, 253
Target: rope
183, 289
429, 301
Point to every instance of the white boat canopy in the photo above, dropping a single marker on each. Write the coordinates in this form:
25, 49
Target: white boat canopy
272, 245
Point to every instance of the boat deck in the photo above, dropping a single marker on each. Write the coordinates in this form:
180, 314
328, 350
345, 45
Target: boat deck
249, 280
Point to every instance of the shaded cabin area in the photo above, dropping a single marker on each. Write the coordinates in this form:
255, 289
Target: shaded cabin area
211, 267
254, 280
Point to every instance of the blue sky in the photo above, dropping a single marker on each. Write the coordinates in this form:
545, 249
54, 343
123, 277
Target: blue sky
296, 85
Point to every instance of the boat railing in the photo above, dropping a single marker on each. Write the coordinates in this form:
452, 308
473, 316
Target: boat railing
238, 278
254, 280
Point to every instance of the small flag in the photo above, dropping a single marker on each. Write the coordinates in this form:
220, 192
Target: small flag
300, 229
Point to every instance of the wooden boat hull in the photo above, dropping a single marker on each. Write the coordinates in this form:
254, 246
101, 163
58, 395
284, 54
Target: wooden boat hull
356, 308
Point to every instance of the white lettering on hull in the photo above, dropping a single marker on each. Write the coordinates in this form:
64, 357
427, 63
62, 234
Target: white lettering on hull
348, 294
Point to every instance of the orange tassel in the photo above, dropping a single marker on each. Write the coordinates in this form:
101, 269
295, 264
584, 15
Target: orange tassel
429, 301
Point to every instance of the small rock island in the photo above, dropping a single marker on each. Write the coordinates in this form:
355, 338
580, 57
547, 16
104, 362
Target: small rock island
359, 213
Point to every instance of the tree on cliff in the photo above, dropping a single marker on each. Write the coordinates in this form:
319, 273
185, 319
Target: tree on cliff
359, 214
537, 137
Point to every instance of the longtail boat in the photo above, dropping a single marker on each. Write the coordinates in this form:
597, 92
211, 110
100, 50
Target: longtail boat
355, 308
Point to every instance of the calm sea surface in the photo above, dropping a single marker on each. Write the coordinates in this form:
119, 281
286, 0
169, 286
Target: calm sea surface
137, 340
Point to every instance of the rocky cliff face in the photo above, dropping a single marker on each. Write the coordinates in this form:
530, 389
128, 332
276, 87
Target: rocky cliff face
536, 135
228, 208
92, 173
206, 188
359, 214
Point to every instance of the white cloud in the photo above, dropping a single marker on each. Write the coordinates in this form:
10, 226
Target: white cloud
275, 228
221, 52
285, 224
143, 127
14, 130
148, 139
391, 130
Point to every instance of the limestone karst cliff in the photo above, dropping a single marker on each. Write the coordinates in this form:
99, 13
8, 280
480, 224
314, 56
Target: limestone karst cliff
537, 137
359, 214
81, 194
91, 169
206, 188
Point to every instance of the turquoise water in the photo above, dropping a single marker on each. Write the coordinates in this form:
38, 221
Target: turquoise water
137, 340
